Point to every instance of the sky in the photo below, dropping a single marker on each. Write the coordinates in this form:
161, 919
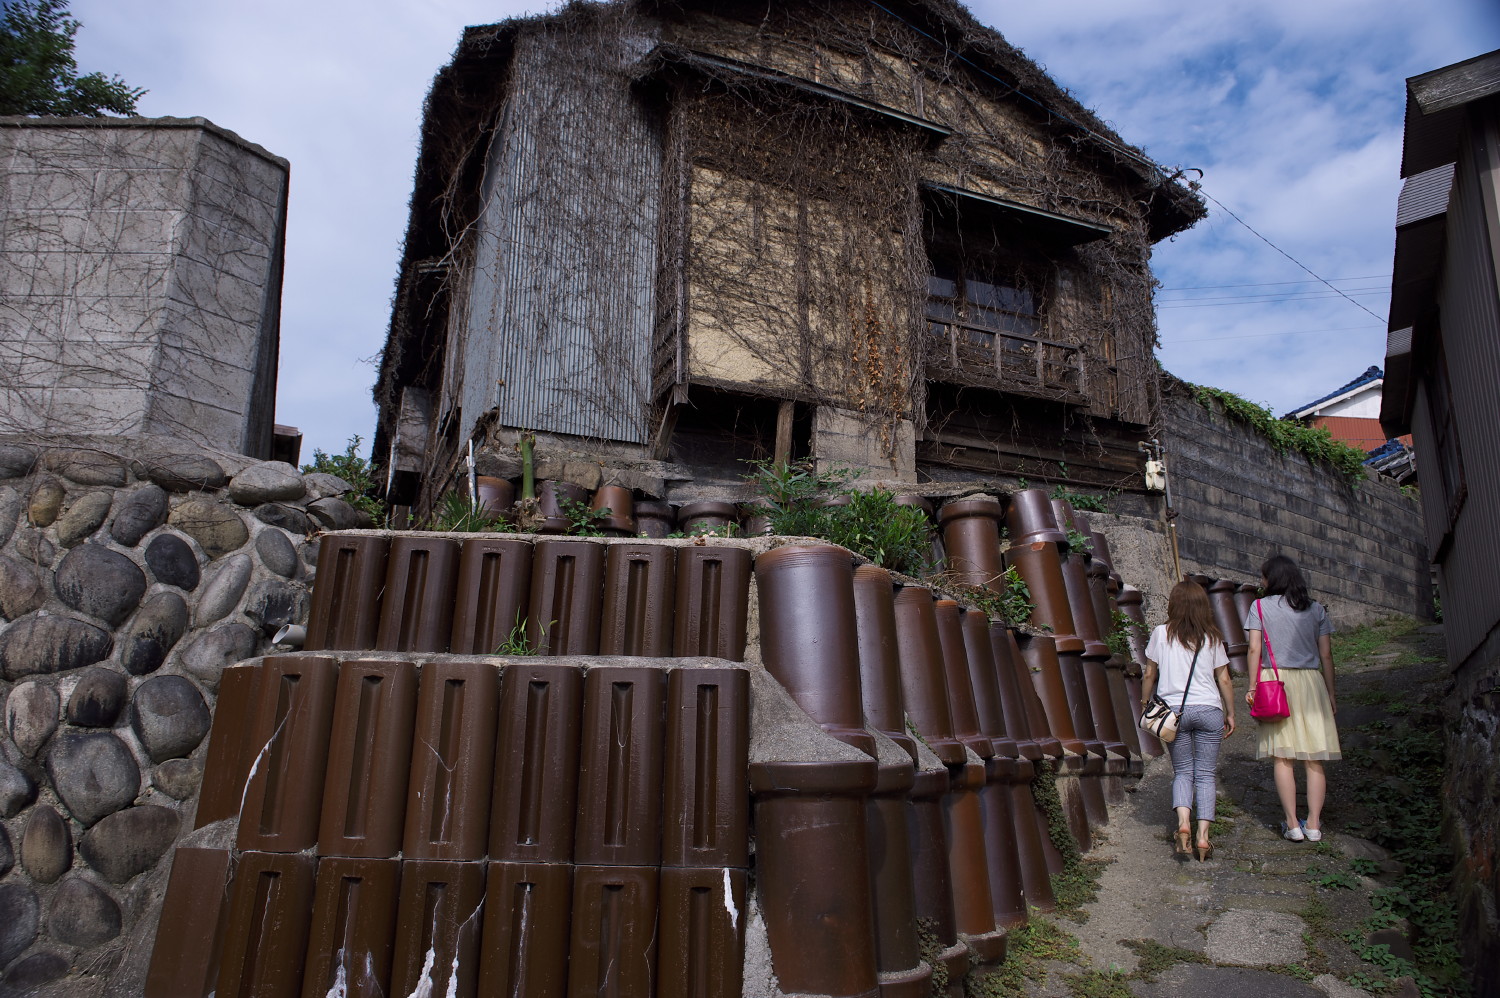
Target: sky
1292, 110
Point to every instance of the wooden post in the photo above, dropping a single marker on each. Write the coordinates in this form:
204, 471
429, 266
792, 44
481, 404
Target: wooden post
784, 415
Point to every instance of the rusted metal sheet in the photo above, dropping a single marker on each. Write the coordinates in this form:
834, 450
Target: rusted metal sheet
194, 917
706, 807
620, 772
493, 592
452, 762
353, 932
438, 925
369, 758
345, 609
713, 598
293, 718
527, 912
265, 937
536, 764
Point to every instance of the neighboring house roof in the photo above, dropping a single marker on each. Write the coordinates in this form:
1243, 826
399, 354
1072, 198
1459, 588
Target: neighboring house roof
1393, 458
1372, 374
1356, 431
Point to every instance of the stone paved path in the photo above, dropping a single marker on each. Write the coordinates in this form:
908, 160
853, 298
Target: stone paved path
1237, 925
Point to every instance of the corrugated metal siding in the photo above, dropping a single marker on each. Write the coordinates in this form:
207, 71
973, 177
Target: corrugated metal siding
1470, 308
560, 303
1424, 195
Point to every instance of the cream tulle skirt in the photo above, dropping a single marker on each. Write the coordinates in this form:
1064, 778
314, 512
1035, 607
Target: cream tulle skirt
1310, 732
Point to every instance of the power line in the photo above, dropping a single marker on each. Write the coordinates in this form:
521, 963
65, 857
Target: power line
1289, 256
1310, 293
1248, 336
1221, 303
1271, 284
1125, 151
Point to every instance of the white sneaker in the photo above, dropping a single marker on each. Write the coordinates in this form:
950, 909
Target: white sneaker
1312, 834
1292, 834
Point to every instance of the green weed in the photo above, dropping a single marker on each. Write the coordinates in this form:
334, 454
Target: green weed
458, 514
1153, 957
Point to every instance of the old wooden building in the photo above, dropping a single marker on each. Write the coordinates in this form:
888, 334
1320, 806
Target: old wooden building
678, 236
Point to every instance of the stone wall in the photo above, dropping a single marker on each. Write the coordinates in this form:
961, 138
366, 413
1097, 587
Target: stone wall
131, 573
1472, 791
140, 279
1239, 502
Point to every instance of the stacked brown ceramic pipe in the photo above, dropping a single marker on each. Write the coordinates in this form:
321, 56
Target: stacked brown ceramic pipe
405, 820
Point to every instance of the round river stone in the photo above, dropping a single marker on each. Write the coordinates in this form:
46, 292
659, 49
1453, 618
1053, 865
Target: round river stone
172, 561
143, 512
46, 845
82, 914
169, 716
129, 842
94, 774
159, 626
97, 699
102, 583
216, 527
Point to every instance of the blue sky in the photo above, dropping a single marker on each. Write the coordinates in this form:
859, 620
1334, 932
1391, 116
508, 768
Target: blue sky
1291, 108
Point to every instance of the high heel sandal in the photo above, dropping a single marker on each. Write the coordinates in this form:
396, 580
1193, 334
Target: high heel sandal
1205, 851
1184, 835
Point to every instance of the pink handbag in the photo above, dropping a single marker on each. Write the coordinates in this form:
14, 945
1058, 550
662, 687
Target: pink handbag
1270, 694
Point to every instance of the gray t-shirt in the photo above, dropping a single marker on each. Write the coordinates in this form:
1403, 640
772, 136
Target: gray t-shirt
1294, 633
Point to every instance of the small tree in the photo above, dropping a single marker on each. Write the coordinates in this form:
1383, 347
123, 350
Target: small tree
37, 72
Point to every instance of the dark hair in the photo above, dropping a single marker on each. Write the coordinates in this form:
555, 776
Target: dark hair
1190, 619
1284, 579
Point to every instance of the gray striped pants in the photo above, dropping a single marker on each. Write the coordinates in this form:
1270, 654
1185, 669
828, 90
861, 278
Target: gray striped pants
1195, 755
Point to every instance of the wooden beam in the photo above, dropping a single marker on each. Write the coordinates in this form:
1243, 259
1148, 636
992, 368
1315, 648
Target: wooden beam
784, 415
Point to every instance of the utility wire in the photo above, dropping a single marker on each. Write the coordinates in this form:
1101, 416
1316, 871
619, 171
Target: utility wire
1270, 284
1120, 149
1284, 253
1281, 295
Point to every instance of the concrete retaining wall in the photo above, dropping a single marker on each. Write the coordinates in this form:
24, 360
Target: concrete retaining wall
1239, 502
140, 279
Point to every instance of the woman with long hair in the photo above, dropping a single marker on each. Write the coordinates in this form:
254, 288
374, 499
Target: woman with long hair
1186, 665
1290, 629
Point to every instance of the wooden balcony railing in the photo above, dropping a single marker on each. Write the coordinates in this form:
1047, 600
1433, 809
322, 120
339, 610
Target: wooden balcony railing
1010, 362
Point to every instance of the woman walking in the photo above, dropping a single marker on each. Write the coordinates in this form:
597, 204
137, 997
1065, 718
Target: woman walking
1186, 657
1290, 631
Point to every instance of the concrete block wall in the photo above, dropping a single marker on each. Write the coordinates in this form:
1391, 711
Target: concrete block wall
140, 279
1239, 502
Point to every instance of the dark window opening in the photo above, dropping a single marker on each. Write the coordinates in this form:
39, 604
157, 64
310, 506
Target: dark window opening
721, 431
987, 296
